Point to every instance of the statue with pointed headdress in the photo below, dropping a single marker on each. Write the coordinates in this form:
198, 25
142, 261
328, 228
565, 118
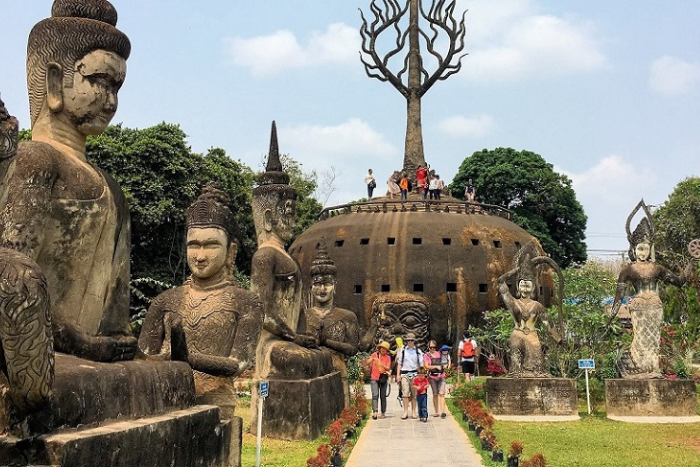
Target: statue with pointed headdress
285, 349
646, 309
336, 328
209, 321
526, 357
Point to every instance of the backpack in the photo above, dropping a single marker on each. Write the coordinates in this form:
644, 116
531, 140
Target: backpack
467, 349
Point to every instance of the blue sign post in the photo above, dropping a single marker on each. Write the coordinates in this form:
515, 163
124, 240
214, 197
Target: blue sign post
263, 391
587, 364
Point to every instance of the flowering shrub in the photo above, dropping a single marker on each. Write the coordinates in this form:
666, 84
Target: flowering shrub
537, 460
494, 367
322, 457
516, 448
336, 433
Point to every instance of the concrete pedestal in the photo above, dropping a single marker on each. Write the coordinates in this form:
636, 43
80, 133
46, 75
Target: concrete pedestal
299, 409
532, 396
119, 414
650, 398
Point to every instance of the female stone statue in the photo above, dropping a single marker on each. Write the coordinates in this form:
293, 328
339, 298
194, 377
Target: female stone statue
646, 309
526, 358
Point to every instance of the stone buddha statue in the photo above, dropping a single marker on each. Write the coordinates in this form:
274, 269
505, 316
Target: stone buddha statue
56, 207
220, 320
283, 351
526, 357
336, 328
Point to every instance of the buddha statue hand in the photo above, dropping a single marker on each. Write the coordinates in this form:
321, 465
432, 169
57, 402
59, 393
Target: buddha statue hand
111, 348
304, 340
178, 341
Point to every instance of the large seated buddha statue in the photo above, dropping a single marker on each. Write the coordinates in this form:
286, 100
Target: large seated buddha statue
64, 276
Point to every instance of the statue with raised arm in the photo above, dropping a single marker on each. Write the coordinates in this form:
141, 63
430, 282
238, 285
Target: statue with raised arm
220, 320
526, 357
285, 350
644, 274
57, 208
336, 328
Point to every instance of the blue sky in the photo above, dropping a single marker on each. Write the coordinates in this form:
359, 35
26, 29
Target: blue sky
608, 92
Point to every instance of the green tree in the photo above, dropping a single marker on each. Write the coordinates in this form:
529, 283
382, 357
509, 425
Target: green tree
542, 200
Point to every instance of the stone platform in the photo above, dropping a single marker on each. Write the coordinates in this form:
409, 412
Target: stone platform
532, 397
140, 412
299, 409
650, 398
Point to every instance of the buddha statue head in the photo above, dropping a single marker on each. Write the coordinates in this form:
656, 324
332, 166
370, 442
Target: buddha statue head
274, 199
211, 246
76, 63
323, 275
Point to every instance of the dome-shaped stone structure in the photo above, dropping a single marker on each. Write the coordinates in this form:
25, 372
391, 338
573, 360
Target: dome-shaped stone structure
447, 254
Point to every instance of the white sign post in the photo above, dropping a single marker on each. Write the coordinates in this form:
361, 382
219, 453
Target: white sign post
263, 391
587, 364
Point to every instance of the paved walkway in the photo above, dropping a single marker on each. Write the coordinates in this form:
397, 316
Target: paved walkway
394, 442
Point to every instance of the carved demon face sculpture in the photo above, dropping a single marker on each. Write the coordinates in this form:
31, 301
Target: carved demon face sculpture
398, 317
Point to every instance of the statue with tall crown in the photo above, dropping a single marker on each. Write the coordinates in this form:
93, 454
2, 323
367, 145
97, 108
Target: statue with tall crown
526, 358
337, 328
286, 355
645, 275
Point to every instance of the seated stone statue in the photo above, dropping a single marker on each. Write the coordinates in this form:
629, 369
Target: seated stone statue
336, 328
57, 208
221, 321
283, 352
526, 357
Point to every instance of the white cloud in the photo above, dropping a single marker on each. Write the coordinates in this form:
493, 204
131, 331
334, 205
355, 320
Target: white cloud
281, 50
672, 76
516, 41
610, 179
461, 126
351, 140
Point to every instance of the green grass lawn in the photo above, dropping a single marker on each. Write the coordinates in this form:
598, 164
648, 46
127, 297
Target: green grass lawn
595, 441
279, 453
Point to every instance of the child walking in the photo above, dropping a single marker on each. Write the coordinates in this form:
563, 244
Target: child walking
421, 383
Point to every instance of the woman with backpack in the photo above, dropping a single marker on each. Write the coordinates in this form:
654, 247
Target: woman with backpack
467, 352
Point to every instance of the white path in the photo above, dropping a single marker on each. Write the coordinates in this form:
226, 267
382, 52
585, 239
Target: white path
393, 442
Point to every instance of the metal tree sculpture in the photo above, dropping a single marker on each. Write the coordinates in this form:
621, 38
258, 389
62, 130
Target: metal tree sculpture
388, 15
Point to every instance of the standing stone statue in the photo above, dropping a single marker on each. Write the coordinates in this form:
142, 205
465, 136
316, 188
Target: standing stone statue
221, 321
646, 309
526, 357
337, 328
57, 208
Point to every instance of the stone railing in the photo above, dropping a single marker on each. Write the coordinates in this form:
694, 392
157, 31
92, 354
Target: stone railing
454, 207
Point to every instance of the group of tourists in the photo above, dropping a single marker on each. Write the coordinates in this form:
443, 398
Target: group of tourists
415, 371
428, 183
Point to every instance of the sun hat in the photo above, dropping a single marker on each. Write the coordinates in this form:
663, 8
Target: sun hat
383, 344
444, 347
409, 337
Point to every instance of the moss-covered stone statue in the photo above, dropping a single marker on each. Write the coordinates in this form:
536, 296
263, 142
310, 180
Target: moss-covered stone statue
221, 321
